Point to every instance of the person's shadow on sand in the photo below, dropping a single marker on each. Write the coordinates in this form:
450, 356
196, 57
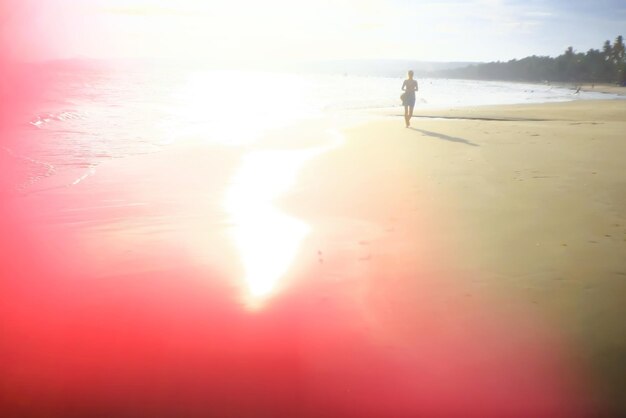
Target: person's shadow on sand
446, 137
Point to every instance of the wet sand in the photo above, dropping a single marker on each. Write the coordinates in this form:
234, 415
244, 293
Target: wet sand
472, 265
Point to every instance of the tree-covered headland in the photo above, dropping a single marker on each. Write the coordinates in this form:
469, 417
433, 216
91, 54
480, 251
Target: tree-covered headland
606, 65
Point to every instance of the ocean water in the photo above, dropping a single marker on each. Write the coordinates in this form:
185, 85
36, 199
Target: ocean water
91, 116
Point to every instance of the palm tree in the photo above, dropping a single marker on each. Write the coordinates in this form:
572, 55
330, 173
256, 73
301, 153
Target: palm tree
592, 65
618, 59
607, 50
608, 68
618, 50
566, 64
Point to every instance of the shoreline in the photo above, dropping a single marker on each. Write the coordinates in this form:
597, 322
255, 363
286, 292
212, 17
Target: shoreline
605, 88
520, 112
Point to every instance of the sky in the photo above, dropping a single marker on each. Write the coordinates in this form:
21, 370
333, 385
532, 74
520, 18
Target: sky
291, 30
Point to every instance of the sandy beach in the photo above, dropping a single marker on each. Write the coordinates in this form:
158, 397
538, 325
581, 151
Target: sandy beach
604, 88
528, 203
471, 265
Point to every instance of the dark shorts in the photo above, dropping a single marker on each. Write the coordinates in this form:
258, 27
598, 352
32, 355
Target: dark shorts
409, 99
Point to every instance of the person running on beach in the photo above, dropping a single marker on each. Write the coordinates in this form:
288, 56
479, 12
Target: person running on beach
408, 97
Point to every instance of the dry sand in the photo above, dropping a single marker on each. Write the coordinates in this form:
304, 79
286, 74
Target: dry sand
528, 202
609, 88
533, 200
474, 262
604, 88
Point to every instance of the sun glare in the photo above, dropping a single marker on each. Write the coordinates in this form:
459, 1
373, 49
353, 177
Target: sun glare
237, 107
267, 238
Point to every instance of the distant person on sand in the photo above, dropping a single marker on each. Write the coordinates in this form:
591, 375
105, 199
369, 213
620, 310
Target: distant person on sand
408, 98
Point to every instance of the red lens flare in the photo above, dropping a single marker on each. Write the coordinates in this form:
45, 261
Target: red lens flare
121, 291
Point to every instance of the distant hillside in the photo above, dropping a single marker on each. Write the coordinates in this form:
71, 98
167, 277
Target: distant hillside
380, 68
374, 68
607, 65
71, 64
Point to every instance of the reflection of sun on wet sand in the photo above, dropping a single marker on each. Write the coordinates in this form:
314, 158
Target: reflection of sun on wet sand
267, 239
471, 266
